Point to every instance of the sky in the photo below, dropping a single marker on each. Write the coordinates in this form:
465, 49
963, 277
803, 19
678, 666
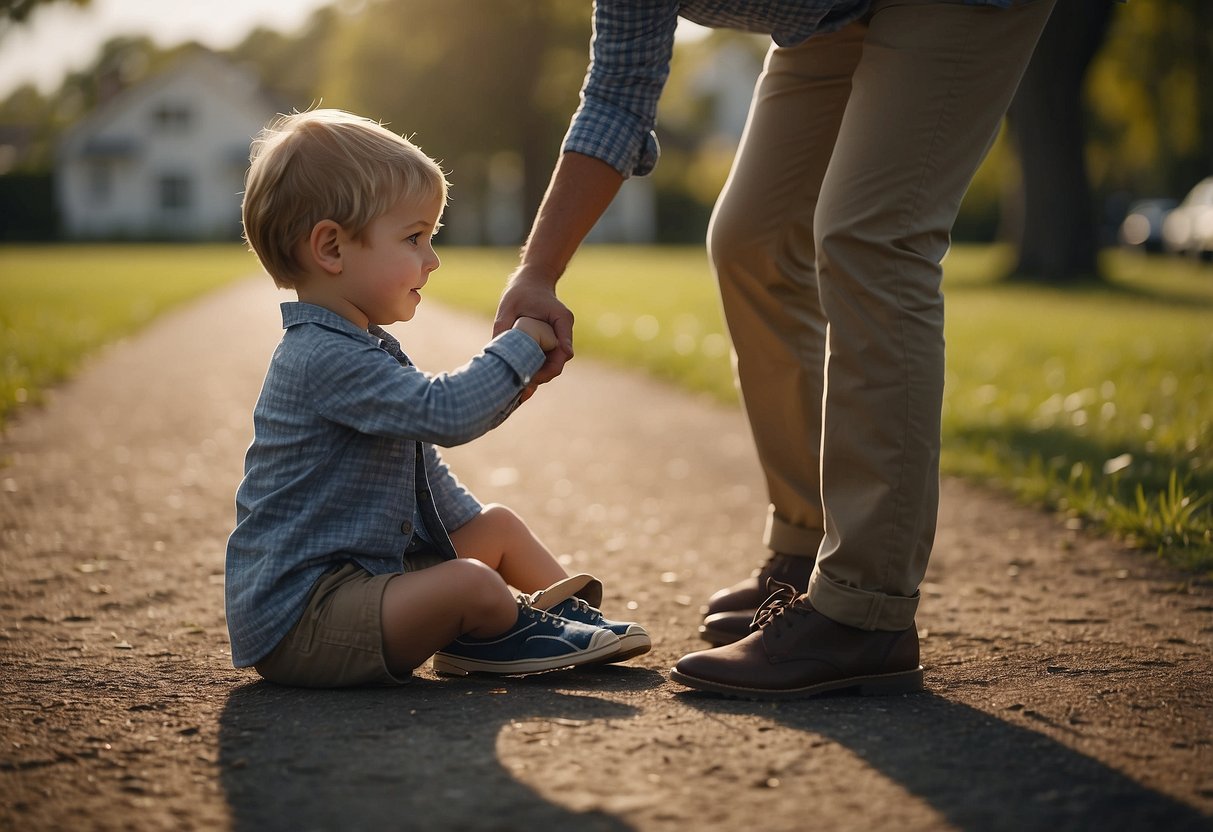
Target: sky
60, 37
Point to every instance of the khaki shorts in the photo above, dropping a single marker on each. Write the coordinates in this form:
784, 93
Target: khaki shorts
338, 641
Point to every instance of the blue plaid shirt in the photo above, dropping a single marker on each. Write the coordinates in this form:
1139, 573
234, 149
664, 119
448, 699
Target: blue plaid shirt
630, 62
343, 461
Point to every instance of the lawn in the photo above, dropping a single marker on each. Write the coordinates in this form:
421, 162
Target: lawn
1097, 402
59, 302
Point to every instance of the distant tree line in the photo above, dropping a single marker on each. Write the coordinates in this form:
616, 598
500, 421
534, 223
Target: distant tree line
1118, 103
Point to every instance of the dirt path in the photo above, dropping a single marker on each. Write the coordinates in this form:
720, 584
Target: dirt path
1070, 682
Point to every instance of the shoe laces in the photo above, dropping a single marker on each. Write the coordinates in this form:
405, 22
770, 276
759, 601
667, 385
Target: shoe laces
783, 598
579, 604
530, 611
585, 607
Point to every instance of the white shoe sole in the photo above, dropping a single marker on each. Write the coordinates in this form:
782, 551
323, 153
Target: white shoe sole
631, 645
603, 645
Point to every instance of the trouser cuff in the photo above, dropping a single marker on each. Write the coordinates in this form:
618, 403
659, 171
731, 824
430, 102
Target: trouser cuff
859, 608
781, 536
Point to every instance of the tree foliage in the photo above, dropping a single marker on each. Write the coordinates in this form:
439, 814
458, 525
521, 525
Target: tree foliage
16, 11
1150, 99
469, 84
490, 94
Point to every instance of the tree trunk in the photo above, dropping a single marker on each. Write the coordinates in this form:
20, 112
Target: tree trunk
1060, 236
535, 141
1202, 11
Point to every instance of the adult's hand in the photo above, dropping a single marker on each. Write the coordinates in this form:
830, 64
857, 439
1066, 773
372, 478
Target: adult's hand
532, 294
581, 189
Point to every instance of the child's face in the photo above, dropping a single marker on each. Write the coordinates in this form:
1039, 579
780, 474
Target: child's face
384, 270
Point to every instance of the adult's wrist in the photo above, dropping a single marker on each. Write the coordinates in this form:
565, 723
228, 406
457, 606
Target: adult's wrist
537, 274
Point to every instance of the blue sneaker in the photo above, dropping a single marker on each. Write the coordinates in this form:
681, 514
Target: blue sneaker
538, 641
576, 599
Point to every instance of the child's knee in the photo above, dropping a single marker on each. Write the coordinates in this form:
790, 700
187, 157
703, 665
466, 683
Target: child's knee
505, 528
481, 583
499, 516
488, 603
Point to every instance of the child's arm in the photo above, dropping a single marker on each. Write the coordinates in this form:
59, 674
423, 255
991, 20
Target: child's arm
361, 386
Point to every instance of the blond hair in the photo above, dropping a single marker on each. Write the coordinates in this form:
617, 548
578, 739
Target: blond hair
326, 164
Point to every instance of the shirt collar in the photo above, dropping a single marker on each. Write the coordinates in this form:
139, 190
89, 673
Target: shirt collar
297, 312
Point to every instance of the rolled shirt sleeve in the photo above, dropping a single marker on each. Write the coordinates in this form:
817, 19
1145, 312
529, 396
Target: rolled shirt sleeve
629, 64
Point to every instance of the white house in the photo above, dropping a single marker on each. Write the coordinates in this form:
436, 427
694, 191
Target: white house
166, 157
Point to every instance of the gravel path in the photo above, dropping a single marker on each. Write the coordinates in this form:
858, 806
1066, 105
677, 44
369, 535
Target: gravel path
1070, 682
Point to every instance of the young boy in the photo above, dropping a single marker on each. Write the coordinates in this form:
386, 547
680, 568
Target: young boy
341, 570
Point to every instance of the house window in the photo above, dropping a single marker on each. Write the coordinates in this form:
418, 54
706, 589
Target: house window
170, 117
100, 182
176, 192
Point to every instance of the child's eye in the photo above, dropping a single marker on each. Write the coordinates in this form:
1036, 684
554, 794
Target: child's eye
413, 238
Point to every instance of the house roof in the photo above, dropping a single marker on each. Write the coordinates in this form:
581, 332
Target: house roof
235, 83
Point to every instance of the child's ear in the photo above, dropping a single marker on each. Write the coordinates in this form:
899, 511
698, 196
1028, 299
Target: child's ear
324, 246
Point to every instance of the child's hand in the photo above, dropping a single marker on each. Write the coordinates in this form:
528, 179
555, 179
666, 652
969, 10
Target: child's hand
540, 331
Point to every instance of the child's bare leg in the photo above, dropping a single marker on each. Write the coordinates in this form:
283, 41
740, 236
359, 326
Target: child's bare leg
499, 537
424, 611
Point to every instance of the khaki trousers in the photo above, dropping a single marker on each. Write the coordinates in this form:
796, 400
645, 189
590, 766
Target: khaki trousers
827, 242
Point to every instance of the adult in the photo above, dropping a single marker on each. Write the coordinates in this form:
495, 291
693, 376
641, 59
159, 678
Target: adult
866, 126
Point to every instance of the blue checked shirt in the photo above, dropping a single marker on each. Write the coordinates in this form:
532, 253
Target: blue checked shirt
343, 462
630, 62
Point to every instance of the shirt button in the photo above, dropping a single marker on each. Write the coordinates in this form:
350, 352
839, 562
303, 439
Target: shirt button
406, 527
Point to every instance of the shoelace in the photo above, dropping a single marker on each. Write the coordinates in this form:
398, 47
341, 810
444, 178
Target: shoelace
594, 613
584, 606
783, 596
524, 605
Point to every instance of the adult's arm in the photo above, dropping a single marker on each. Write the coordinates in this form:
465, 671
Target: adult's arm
580, 190
610, 138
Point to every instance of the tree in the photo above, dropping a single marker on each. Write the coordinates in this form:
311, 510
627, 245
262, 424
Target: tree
19, 10
1060, 239
474, 85
290, 65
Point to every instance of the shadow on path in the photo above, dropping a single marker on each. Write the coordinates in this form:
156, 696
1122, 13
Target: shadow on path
981, 773
422, 756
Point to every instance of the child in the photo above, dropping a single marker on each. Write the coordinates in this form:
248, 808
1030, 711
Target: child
340, 570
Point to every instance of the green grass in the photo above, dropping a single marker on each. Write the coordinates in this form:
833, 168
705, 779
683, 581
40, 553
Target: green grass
1097, 402
652, 308
59, 302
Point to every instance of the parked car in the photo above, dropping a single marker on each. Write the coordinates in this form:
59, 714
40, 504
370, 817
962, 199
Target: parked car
1189, 228
1142, 225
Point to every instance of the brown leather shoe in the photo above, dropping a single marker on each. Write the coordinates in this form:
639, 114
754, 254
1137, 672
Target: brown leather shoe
797, 652
726, 627
748, 594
